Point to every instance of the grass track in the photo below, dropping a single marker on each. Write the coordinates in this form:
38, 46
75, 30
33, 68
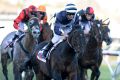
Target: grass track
105, 74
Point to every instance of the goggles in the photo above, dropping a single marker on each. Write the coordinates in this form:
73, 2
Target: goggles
70, 13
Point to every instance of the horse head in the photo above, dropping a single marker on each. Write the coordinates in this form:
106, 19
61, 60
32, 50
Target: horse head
105, 32
34, 27
76, 39
102, 30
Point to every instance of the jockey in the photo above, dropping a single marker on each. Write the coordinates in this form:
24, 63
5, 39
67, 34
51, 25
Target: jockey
42, 14
85, 17
22, 19
62, 26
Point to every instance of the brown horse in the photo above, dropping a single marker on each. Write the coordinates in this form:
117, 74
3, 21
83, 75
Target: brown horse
46, 33
92, 57
63, 59
24, 48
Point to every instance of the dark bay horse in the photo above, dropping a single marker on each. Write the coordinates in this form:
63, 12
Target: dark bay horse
24, 48
62, 62
92, 57
105, 32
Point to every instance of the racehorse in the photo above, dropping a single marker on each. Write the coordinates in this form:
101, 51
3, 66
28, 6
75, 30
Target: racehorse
24, 47
92, 57
6, 53
63, 61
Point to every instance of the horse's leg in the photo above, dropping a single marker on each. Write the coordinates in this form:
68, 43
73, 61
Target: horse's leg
95, 73
16, 71
40, 76
82, 73
56, 75
29, 74
4, 59
86, 75
73, 76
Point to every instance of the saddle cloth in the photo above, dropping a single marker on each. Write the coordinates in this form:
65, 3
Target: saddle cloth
48, 54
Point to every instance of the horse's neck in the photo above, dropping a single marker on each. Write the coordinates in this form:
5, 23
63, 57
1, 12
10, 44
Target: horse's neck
29, 42
92, 43
46, 33
67, 52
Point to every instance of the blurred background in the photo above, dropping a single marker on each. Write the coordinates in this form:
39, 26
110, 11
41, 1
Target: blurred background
9, 10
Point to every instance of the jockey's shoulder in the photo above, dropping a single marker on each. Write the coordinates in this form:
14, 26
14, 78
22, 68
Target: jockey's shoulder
61, 13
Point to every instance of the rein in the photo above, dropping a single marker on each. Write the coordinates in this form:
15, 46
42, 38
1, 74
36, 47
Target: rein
22, 47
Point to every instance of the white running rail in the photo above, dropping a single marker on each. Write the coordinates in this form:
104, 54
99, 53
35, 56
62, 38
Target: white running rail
114, 72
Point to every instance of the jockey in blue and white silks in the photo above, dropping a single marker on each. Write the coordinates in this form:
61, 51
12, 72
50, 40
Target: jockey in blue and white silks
62, 26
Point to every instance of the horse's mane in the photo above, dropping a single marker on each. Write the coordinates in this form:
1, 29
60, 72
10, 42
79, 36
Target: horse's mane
95, 37
76, 37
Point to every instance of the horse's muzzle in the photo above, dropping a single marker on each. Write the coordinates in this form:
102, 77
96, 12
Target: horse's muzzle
36, 33
109, 41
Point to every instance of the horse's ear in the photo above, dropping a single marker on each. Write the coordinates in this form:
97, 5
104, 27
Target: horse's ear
101, 21
106, 22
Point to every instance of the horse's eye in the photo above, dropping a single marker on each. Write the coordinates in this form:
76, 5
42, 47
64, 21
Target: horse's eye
30, 23
38, 32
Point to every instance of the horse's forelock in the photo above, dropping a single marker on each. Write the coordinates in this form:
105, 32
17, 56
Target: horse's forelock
34, 18
33, 21
75, 37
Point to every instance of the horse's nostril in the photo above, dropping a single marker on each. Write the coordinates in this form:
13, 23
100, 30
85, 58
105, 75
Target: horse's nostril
34, 32
38, 32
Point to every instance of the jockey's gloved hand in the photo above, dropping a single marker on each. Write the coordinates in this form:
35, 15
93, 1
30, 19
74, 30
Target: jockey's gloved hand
22, 30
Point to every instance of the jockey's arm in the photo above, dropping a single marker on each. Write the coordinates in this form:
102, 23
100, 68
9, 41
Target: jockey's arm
18, 20
57, 29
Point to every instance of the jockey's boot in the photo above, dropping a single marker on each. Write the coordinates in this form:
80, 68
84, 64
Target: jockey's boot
13, 39
48, 47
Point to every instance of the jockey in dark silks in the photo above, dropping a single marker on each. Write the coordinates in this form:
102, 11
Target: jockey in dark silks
62, 26
86, 16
